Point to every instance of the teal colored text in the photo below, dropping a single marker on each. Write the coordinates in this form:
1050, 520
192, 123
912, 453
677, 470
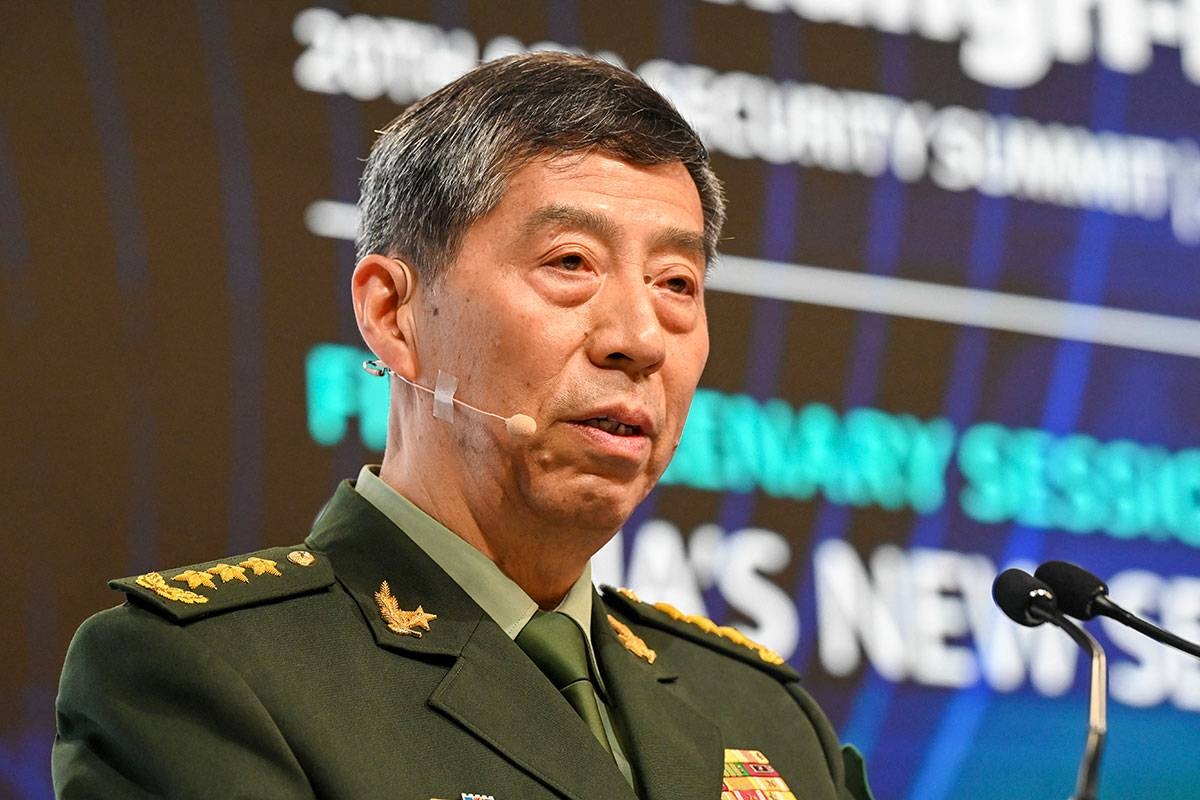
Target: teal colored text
1079, 484
863, 457
340, 393
734, 443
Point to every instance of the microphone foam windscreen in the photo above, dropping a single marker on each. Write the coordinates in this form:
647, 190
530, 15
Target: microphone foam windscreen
1075, 587
521, 426
1015, 591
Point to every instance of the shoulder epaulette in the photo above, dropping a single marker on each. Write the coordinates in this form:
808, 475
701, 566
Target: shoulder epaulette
701, 630
214, 587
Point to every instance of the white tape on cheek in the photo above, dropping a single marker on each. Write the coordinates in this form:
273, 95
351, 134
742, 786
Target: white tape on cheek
443, 396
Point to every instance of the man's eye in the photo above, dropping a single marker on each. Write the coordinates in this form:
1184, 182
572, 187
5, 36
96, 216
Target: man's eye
678, 285
570, 263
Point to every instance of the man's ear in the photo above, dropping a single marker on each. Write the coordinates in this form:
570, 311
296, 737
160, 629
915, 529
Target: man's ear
382, 288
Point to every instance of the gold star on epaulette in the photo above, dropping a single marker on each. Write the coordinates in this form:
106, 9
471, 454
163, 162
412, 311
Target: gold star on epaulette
228, 572
398, 620
194, 579
260, 566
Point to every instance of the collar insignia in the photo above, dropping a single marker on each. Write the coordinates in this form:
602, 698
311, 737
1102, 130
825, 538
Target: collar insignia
633, 643
399, 621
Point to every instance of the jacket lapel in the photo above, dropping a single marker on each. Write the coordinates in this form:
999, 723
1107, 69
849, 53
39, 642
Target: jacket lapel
366, 549
497, 693
491, 688
675, 751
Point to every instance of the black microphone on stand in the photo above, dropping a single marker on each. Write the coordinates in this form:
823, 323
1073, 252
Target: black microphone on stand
1030, 602
1082, 595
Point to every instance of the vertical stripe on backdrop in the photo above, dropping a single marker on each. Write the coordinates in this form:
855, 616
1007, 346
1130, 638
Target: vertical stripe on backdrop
768, 341
244, 277
885, 236
15, 262
564, 22
133, 276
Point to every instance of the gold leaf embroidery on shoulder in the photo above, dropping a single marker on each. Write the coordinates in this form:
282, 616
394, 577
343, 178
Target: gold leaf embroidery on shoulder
398, 620
228, 572
260, 566
195, 579
633, 643
724, 631
629, 594
154, 582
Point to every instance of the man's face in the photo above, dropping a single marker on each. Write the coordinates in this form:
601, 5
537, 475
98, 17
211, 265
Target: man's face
578, 301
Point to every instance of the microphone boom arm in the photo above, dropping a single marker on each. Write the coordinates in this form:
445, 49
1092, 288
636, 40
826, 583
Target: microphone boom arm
1104, 606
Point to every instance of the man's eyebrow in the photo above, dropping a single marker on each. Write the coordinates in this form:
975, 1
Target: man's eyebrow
683, 240
572, 216
671, 238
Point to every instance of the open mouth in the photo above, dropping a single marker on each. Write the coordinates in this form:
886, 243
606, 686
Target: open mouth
612, 426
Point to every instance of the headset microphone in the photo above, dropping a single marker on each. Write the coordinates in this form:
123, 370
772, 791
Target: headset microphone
519, 426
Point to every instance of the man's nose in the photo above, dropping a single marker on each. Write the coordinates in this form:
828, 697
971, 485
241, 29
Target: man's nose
627, 333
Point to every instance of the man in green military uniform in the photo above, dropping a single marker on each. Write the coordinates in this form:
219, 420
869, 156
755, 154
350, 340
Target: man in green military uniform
535, 239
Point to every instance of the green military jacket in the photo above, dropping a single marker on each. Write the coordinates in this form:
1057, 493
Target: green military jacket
293, 673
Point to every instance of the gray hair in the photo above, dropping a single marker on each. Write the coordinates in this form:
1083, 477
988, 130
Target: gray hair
446, 161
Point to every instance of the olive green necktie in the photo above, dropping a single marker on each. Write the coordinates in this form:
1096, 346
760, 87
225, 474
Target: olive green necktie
556, 644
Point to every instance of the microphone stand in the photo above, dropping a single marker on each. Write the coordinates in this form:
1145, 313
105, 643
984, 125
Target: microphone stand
1089, 765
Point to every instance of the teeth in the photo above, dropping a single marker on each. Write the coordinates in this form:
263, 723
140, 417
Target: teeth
611, 426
